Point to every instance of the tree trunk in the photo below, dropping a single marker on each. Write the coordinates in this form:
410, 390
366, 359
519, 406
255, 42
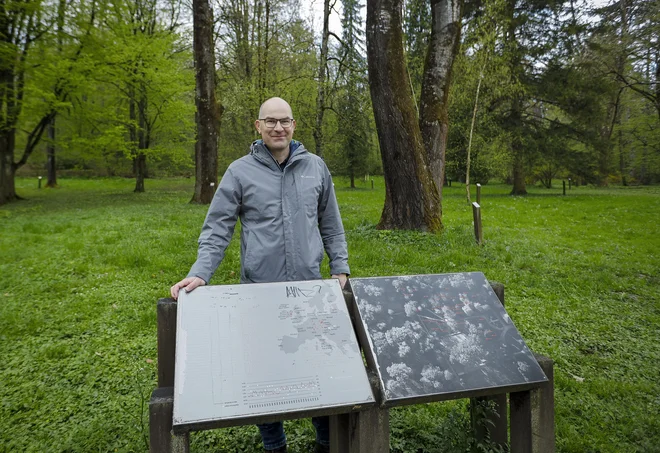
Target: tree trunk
433, 118
51, 165
320, 97
208, 111
266, 73
140, 165
260, 67
143, 144
517, 149
519, 186
657, 79
412, 196
7, 167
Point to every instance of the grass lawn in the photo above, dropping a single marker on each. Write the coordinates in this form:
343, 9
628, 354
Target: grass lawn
81, 268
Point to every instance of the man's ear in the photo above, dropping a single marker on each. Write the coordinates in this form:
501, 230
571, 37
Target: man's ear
256, 126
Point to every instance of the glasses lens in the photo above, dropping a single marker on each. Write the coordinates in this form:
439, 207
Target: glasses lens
284, 122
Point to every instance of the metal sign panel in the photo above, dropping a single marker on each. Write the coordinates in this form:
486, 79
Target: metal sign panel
432, 336
249, 350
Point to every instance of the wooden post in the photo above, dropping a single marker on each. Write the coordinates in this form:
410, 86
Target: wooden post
372, 184
496, 421
479, 194
476, 213
521, 422
160, 420
569, 183
166, 315
39, 186
368, 432
543, 410
361, 432
498, 288
339, 433
181, 443
161, 439
563, 183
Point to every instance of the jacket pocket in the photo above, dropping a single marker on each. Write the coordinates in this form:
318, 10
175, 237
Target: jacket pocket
248, 257
321, 248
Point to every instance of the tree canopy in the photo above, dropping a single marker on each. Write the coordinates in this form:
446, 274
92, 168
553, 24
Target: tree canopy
108, 88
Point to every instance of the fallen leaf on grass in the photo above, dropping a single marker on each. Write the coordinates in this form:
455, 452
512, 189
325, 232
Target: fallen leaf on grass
150, 361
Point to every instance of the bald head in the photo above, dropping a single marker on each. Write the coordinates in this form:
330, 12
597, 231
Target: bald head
275, 135
274, 104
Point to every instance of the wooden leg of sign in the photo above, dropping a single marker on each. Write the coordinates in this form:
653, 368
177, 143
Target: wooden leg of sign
161, 406
166, 315
339, 433
543, 410
161, 439
369, 431
488, 415
181, 443
521, 422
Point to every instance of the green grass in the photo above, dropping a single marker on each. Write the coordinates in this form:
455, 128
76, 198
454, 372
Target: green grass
81, 268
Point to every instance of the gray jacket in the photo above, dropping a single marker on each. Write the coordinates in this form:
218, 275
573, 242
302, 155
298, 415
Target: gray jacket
287, 219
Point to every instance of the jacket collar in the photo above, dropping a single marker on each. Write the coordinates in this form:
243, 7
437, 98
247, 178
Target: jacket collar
260, 152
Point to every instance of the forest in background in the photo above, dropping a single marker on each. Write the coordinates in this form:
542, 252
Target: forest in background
540, 89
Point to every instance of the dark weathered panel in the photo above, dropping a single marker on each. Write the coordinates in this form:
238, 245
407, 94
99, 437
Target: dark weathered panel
434, 336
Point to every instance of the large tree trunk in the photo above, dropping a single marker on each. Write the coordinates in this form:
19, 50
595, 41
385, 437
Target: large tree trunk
51, 164
320, 96
208, 112
412, 196
515, 118
433, 118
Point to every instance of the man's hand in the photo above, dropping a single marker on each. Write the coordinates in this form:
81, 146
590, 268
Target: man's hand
342, 279
188, 284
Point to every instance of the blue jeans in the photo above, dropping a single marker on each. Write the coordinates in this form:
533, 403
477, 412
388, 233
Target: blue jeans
272, 434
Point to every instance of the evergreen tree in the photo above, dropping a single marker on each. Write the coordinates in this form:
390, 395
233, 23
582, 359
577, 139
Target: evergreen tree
353, 103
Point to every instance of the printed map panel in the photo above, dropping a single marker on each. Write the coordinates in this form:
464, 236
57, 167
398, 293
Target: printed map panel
441, 334
247, 350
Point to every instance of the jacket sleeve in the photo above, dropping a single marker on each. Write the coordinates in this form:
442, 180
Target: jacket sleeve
218, 227
331, 227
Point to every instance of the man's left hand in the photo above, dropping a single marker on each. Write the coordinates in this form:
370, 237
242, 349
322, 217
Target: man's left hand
342, 279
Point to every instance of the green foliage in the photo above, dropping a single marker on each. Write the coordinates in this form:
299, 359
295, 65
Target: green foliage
120, 82
82, 268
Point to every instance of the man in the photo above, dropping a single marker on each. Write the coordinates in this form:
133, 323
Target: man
285, 199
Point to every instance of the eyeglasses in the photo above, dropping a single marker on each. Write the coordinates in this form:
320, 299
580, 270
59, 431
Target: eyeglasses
272, 122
